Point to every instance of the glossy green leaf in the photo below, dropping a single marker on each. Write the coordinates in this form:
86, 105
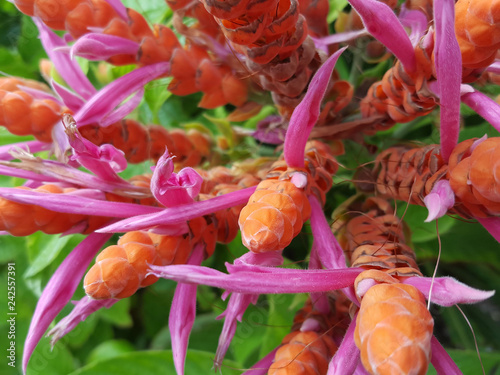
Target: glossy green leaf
469, 364
282, 309
247, 341
118, 314
110, 349
154, 363
49, 248
154, 11
54, 361
414, 217
155, 94
335, 7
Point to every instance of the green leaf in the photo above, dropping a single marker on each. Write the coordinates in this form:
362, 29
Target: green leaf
280, 320
335, 7
118, 314
54, 361
468, 242
154, 11
10, 28
100, 333
247, 341
7, 138
10, 247
154, 363
421, 231
468, 362
110, 349
50, 247
29, 46
14, 65
477, 131
119, 71
154, 305
225, 128
155, 95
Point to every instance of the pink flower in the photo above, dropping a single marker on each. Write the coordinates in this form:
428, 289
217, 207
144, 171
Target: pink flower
174, 189
60, 289
439, 200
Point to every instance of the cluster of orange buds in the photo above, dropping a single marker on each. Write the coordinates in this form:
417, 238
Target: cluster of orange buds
140, 142
23, 114
374, 309
279, 207
273, 35
22, 219
192, 68
121, 269
313, 340
390, 312
79, 16
402, 95
410, 174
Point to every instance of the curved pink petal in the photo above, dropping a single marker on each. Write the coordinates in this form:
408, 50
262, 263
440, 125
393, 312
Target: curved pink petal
383, 24
29, 146
119, 8
70, 99
50, 170
183, 314
329, 250
416, 21
28, 175
446, 291
306, 113
109, 97
324, 42
74, 204
282, 281
486, 107
105, 161
259, 260
441, 360
448, 61
181, 213
238, 303
123, 110
346, 359
494, 67
60, 288
38, 94
236, 307
439, 200
69, 70
100, 47
173, 189
82, 310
